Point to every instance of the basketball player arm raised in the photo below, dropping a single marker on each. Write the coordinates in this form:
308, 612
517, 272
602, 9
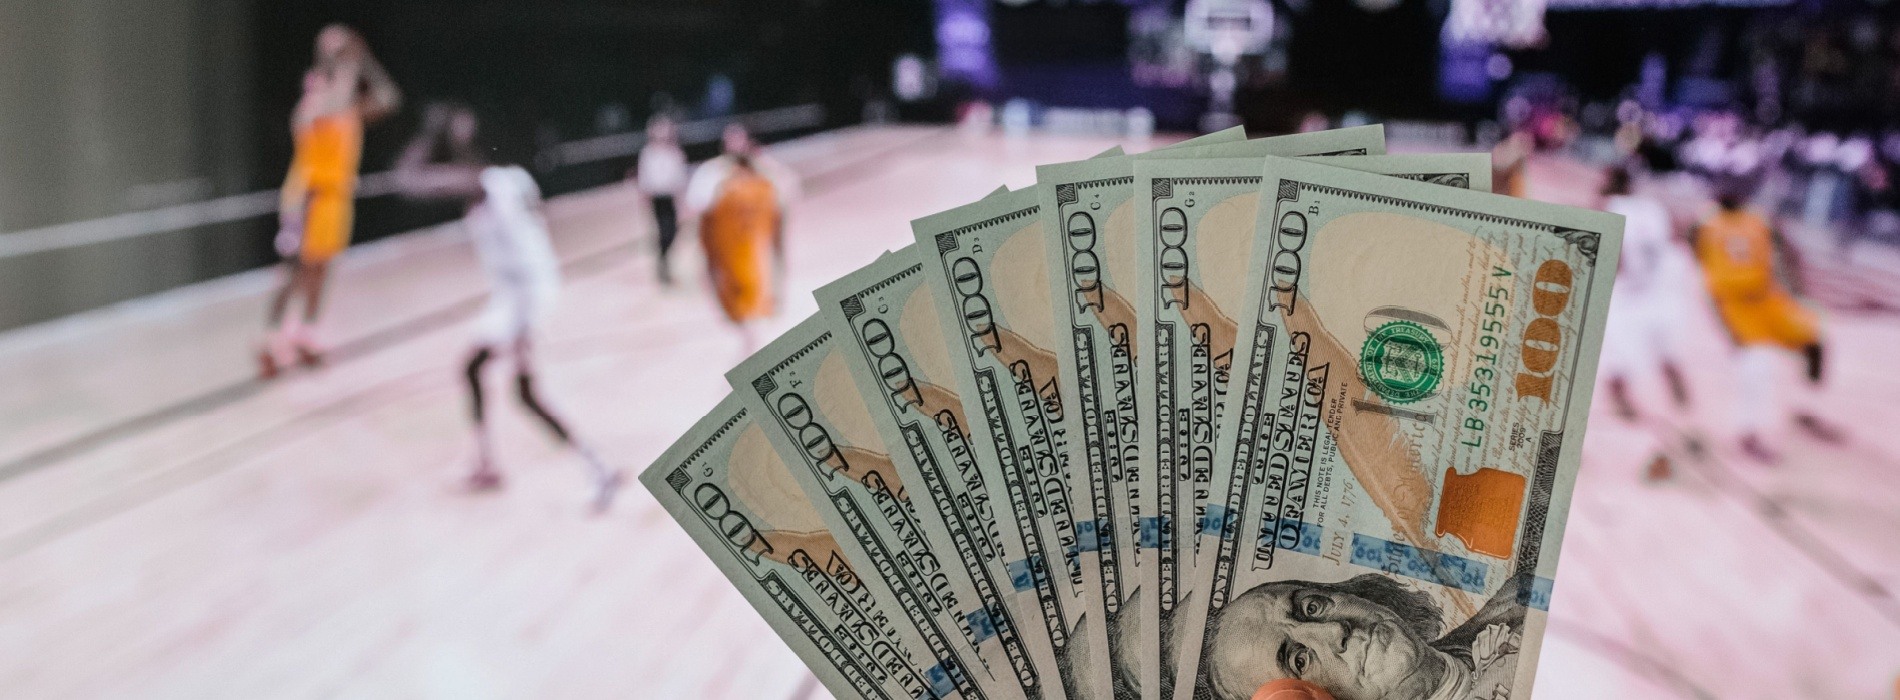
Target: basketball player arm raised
380, 97
419, 176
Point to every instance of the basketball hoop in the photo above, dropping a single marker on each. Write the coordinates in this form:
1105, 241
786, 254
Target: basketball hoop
1228, 29
1513, 24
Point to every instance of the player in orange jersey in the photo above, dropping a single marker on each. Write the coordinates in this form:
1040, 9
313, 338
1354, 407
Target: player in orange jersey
740, 232
345, 89
1737, 250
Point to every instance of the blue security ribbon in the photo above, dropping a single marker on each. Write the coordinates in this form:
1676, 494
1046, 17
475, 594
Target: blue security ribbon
1021, 576
1406, 560
1148, 533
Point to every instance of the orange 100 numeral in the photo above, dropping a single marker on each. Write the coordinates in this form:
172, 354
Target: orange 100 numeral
1543, 338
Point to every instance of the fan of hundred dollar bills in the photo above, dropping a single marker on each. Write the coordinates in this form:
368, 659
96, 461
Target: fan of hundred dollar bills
1229, 420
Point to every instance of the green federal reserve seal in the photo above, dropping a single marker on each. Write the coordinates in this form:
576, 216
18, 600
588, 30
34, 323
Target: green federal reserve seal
1402, 362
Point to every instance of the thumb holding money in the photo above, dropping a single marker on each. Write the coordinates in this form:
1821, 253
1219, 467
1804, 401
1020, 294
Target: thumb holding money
1291, 689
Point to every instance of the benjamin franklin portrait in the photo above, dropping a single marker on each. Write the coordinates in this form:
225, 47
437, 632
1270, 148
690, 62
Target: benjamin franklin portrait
1370, 637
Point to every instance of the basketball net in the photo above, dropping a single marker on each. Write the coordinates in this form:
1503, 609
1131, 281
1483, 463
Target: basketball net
1509, 23
1228, 29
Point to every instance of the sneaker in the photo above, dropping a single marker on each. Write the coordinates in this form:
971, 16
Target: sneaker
1659, 469
267, 368
309, 356
302, 341
484, 479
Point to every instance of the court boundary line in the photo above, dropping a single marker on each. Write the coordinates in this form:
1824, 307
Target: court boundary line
1780, 518
1720, 474
191, 469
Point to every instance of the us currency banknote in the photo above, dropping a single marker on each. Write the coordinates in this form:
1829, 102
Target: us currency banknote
1413, 371
728, 488
1366, 143
1090, 261
1196, 238
1366, 140
886, 316
988, 264
1465, 171
800, 387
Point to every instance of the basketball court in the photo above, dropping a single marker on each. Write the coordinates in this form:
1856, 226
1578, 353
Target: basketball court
172, 528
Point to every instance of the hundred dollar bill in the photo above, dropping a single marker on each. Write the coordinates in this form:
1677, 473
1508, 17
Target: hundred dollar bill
1196, 237
1091, 260
1465, 171
800, 387
728, 488
1413, 372
887, 317
988, 263
1366, 140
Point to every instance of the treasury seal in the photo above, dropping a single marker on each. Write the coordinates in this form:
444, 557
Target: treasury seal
1402, 362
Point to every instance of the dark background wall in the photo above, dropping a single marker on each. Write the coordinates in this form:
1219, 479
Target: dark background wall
109, 107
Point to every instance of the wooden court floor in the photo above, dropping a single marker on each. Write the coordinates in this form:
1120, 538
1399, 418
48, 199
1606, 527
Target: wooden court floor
171, 529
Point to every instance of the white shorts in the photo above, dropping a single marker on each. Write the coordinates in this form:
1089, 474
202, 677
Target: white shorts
1644, 331
508, 318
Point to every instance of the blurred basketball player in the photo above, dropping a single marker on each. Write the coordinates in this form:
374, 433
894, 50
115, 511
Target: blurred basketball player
345, 89
709, 179
504, 219
740, 232
1653, 300
1737, 250
660, 174
1646, 309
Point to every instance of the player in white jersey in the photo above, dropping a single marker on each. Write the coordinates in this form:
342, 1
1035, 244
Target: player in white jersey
660, 174
505, 222
1658, 286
